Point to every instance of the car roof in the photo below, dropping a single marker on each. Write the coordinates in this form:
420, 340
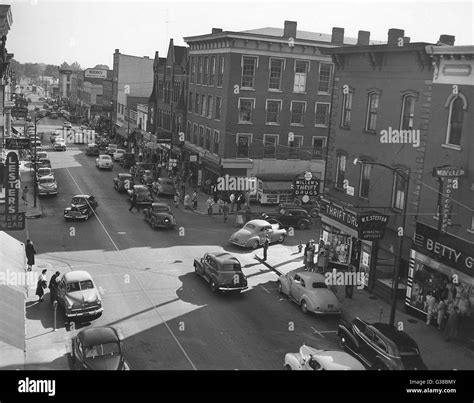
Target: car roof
397, 336
259, 223
124, 175
85, 196
92, 145
46, 177
160, 204
224, 257
77, 275
104, 155
93, 336
335, 359
140, 187
308, 275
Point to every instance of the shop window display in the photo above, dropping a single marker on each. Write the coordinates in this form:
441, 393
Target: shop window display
339, 244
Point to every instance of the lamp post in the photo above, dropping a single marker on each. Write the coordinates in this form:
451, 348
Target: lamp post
405, 176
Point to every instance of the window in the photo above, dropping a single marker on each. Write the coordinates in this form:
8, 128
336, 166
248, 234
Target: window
398, 193
218, 108
199, 72
455, 121
472, 222
249, 65
270, 142
195, 134
301, 71
212, 70
193, 70
273, 111
408, 112
276, 70
364, 181
243, 144
203, 105
205, 78
340, 171
220, 71
201, 136
208, 139
325, 73
346, 109
319, 145
380, 343
209, 106
245, 109
215, 149
196, 104
189, 128
294, 147
297, 112
372, 109
190, 102
322, 114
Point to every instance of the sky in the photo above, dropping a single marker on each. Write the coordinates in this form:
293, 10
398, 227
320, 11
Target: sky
89, 31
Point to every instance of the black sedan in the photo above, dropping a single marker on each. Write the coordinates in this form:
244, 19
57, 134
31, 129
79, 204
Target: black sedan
380, 346
123, 182
144, 196
98, 348
81, 208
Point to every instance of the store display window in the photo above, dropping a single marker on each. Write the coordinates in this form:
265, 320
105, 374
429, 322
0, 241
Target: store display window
339, 244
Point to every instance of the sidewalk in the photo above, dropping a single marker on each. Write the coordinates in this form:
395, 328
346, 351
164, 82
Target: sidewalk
26, 179
436, 352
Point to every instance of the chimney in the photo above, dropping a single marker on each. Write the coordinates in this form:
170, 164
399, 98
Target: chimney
393, 35
447, 39
337, 37
216, 30
406, 39
363, 38
117, 51
290, 29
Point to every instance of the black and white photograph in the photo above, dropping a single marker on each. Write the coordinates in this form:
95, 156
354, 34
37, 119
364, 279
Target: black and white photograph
235, 187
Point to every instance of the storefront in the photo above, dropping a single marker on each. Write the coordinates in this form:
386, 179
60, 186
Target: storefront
443, 266
274, 189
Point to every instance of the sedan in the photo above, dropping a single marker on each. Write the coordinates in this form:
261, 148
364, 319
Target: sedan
309, 290
47, 186
118, 154
123, 182
81, 208
163, 187
253, 234
144, 197
44, 171
59, 145
312, 359
98, 348
104, 162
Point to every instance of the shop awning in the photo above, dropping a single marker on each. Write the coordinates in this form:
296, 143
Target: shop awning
277, 186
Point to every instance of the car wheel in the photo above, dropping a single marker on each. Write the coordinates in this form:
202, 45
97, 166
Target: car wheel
281, 238
87, 217
255, 245
280, 287
378, 366
153, 223
287, 367
304, 306
213, 286
302, 225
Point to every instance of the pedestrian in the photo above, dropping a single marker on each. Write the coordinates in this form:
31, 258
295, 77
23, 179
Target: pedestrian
248, 214
305, 255
194, 200
176, 199
220, 204
210, 203
24, 195
41, 285
232, 202
310, 257
323, 259
134, 203
225, 211
240, 199
266, 243
30, 254
183, 189
53, 284
452, 325
216, 197
239, 219
350, 286
430, 305
187, 200
442, 306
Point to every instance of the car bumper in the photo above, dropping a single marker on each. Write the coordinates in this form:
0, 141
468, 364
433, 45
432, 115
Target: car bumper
105, 166
327, 313
76, 216
47, 192
229, 288
239, 243
84, 314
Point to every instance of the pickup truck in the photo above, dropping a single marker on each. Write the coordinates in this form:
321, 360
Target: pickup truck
222, 271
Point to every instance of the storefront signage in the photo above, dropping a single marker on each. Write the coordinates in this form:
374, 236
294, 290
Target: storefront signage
371, 225
448, 172
444, 248
19, 112
12, 183
17, 143
446, 204
193, 158
94, 73
163, 138
12, 222
338, 214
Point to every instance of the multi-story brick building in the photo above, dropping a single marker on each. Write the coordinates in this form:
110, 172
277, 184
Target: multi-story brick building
379, 90
259, 105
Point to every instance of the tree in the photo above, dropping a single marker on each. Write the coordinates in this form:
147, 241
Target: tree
51, 71
102, 66
75, 66
65, 66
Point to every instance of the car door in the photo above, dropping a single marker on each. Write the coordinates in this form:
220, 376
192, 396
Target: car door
296, 288
61, 292
366, 346
207, 266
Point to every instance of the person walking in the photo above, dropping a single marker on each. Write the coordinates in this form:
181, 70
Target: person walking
187, 201
266, 243
305, 255
240, 200
225, 211
248, 214
209, 203
176, 199
30, 254
452, 325
24, 195
232, 202
134, 203
194, 200
41, 285
310, 256
442, 307
430, 304
53, 287
220, 203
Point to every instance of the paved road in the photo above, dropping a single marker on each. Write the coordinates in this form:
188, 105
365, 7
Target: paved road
167, 315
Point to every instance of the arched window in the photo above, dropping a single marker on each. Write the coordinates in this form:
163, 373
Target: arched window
455, 121
408, 112
340, 170
372, 110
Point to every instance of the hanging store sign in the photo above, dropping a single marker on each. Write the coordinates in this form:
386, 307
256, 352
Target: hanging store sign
95, 73
448, 172
339, 214
17, 143
12, 183
306, 187
371, 225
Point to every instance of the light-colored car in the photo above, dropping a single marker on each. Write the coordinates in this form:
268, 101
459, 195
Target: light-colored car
47, 186
312, 359
118, 154
111, 148
67, 125
44, 171
104, 162
253, 234
59, 145
309, 290
163, 187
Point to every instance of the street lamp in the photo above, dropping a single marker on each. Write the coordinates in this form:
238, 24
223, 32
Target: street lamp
405, 176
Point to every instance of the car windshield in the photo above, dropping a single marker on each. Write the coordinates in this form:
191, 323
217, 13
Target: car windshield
118, 151
46, 180
80, 285
105, 157
319, 285
250, 226
231, 267
44, 171
78, 200
143, 191
101, 350
161, 209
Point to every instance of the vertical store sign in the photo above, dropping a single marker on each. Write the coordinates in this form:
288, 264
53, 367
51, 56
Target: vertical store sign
12, 183
446, 203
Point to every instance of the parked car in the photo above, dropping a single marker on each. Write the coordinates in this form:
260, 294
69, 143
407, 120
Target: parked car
98, 348
92, 149
81, 208
118, 154
78, 296
128, 160
312, 359
43, 171
309, 290
44, 163
40, 154
380, 345
123, 182
35, 143
163, 187
144, 197
252, 235
59, 145
159, 215
291, 217
111, 148
104, 162
47, 185
222, 271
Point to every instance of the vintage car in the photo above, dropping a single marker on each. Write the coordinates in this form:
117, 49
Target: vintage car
380, 346
313, 359
111, 148
159, 215
144, 197
47, 186
252, 235
82, 207
43, 171
163, 187
59, 145
104, 162
118, 154
44, 163
92, 149
309, 290
78, 296
222, 271
291, 217
40, 155
128, 160
98, 348
123, 182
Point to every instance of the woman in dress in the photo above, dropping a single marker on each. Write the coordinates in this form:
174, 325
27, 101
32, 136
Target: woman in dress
42, 284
